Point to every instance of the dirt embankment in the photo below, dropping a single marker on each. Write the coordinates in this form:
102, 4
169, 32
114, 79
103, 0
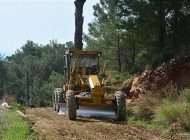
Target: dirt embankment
52, 126
175, 74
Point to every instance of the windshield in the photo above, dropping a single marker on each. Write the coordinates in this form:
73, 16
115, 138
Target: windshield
85, 60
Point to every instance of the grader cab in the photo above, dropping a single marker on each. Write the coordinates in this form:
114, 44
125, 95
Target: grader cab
85, 86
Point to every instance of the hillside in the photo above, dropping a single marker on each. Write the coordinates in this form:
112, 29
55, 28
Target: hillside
173, 75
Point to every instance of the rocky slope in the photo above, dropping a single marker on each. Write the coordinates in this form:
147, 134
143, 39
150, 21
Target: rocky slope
175, 74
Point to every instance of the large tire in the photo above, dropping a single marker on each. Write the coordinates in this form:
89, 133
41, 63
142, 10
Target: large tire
120, 106
71, 104
54, 107
58, 108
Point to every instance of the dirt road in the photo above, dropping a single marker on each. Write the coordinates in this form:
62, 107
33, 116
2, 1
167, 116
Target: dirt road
52, 126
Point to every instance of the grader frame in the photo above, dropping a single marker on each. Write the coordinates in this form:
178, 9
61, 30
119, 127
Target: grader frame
84, 86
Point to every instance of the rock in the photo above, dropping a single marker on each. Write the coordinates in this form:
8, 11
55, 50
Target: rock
5, 105
21, 114
126, 87
136, 87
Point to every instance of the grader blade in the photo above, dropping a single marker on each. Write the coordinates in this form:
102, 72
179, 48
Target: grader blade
99, 112
86, 111
63, 109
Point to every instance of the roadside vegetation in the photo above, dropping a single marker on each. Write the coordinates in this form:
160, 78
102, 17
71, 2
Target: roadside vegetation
16, 127
176, 111
113, 78
168, 114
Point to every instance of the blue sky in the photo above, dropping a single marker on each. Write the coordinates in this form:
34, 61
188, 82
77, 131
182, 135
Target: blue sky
39, 21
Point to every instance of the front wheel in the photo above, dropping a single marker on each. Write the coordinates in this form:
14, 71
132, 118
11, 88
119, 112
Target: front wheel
120, 105
71, 104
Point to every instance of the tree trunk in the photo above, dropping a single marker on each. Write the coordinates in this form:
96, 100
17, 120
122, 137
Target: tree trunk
176, 28
134, 49
78, 23
27, 87
119, 51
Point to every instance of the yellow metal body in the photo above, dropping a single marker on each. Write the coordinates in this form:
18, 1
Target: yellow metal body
97, 92
81, 82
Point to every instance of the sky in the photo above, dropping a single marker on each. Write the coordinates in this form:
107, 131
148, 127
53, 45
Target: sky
39, 21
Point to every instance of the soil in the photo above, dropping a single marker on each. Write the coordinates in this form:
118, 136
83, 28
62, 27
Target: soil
173, 75
52, 126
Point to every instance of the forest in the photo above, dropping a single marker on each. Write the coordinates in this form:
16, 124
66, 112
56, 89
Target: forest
132, 36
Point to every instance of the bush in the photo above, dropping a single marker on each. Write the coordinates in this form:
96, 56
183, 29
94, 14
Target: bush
185, 114
168, 112
14, 127
148, 124
185, 96
9, 98
175, 111
115, 78
162, 112
145, 109
15, 106
185, 117
108, 82
172, 96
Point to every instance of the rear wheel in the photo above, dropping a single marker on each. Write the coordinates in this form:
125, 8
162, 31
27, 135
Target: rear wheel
58, 108
120, 105
71, 104
54, 107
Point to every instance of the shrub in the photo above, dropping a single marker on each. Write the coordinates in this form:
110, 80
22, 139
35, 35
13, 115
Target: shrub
148, 124
185, 114
168, 112
14, 127
185, 117
107, 82
115, 78
185, 96
9, 98
172, 96
171, 112
15, 106
145, 109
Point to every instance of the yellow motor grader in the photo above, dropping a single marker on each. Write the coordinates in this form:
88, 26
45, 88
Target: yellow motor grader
84, 85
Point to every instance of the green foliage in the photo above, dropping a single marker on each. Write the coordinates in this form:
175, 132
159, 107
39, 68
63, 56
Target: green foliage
34, 68
148, 124
155, 112
172, 95
185, 96
115, 79
175, 111
168, 112
55, 80
14, 127
134, 35
185, 117
145, 108
15, 106
2, 75
185, 114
